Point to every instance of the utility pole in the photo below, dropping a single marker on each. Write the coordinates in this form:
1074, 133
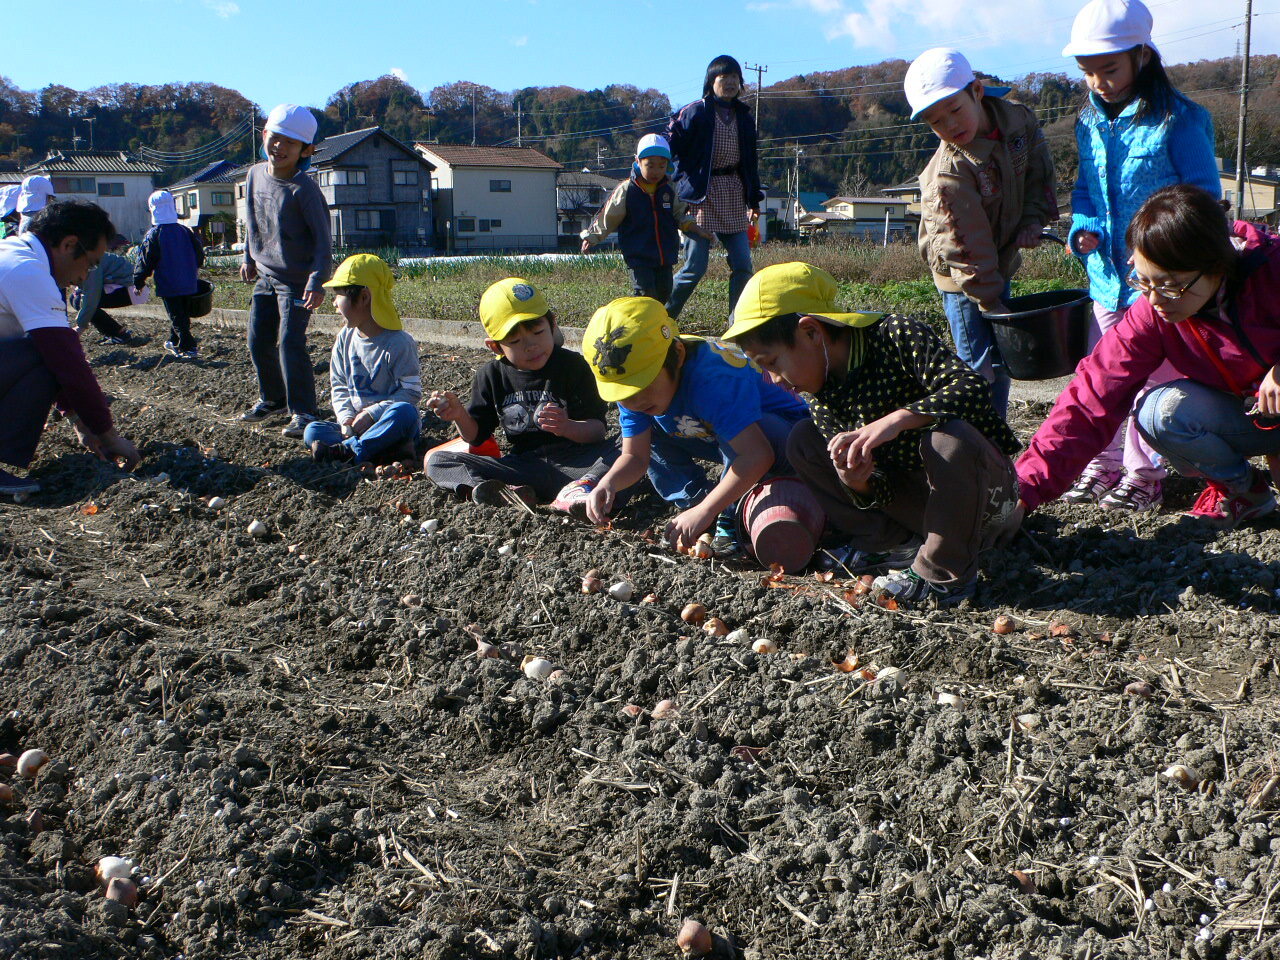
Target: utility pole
1244, 110
519, 119
75, 140
473, 116
91, 121
599, 156
760, 71
795, 181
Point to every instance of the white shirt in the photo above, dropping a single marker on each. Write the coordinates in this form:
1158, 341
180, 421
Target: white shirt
29, 296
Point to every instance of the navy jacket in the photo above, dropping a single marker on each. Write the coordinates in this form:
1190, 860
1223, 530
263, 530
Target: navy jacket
648, 234
691, 133
174, 254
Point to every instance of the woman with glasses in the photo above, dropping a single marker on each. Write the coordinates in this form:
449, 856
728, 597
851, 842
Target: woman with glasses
1209, 306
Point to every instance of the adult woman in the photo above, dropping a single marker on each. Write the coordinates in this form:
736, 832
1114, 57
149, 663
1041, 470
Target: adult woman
713, 142
1210, 306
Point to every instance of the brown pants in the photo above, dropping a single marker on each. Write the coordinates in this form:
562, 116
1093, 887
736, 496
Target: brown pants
962, 502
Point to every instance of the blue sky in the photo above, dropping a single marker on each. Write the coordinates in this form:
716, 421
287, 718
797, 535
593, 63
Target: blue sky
272, 53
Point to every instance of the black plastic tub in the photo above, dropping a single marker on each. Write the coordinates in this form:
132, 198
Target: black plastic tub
201, 302
1044, 335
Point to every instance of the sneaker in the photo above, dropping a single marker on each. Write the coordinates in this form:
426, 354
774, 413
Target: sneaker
724, 540
297, 425
122, 339
850, 560
262, 410
572, 498
17, 486
909, 588
322, 452
1092, 486
1134, 494
171, 348
495, 493
1222, 508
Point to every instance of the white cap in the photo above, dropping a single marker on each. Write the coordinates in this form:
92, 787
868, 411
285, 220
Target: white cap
292, 121
937, 74
653, 145
163, 207
34, 195
1109, 26
8, 200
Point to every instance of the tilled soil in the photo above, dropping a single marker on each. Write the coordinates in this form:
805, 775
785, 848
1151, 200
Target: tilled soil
293, 738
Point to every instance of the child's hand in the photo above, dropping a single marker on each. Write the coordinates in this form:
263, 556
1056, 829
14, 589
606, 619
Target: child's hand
446, 405
853, 448
312, 299
1029, 237
346, 427
552, 418
1087, 241
685, 528
361, 423
248, 272
857, 478
600, 503
586, 246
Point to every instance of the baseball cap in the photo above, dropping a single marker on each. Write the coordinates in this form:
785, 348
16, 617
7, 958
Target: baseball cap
366, 270
786, 288
292, 121
509, 303
653, 145
937, 74
1109, 26
625, 344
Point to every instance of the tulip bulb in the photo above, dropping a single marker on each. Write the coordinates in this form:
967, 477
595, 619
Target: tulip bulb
950, 700
257, 529
764, 646
217, 503
30, 762
123, 890
738, 636
665, 710
623, 590
6, 793
693, 613
1140, 688
1183, 775
112, 868
632, 710
488, 651
715, 627
694, 940
591, 582
1004, 624
537, 668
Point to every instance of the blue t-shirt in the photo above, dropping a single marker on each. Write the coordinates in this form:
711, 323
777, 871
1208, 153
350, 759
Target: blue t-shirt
721, 393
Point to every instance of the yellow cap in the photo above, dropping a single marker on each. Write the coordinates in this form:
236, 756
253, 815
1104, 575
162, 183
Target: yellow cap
366, 270
625, 344
508, 303
790, 288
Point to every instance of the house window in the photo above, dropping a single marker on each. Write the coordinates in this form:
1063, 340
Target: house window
496, 224
404, 178
240, 191
484, 226
368, 219
569, 227
466, 224
499, 186
111, 189
349, 178
63, 185
220, 199
193, 201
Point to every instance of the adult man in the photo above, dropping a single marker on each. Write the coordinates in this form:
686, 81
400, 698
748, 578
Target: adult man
41, 359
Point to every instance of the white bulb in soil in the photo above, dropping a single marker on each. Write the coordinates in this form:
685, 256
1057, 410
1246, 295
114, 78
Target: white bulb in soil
429, 526
739, 636
950, 700
109, 868
763, 645
257, 528
538, 668
623, 590
217, 503
30, 762
507, 550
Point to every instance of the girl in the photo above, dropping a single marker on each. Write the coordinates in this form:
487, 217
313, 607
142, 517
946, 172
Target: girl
1136, 135
1209, 311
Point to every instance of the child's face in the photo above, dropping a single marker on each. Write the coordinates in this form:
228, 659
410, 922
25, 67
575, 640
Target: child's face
652, 169
959, 118
528, 346
284, 153
352, 303
802, 364
1110, 75
655, 399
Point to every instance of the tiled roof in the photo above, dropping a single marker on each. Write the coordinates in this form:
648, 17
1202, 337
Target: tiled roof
218, 172
8, 176
903, 187
570, 178
457, 155
835, 200
84, 161
331, 148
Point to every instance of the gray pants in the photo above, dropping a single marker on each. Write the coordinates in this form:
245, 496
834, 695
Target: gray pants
547, 469
962, 502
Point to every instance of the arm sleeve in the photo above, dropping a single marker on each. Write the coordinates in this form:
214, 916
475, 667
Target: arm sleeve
484, 403
1084, 208
340, 383
961, 242
250, 223
1040, 199
316, 213
148, 257
956, 392
610, 216
78, 389
632, 424
685, 218
1191, 147
197, 246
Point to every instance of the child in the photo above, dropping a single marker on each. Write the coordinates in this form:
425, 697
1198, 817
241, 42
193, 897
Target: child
544, 398
9, 210
683, 399
175, 254
987, 191
1133, 112
34, 195
287, 249
905, 452
374, 374
109, 284
645, 211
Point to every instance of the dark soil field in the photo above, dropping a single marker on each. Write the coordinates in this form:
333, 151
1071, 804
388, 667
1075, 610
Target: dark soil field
292, 738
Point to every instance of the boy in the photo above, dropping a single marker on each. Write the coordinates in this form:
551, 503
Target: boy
645, 210
175, 254
375, 377
986, 192
682, 399
108, 285
287, 250
545, 399
904, 448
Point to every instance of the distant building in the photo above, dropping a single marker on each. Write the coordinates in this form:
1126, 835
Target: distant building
493, 198
117, 181
869, 217
579, 197
1261, 193
910, 192
206, 201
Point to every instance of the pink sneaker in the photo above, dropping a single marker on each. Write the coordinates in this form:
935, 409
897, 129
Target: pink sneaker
572, 498
1224, 509
1134, 495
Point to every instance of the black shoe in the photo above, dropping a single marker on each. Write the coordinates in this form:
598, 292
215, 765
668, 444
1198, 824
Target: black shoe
322, 452
17, 486
262, 411
122, 339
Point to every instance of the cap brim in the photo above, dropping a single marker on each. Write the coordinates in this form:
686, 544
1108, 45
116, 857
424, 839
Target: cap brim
612, 391
997, 92
509, 324
940, 96
741, 327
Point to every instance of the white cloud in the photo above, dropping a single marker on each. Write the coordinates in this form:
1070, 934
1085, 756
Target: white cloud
521, 41
223, 8
399, 74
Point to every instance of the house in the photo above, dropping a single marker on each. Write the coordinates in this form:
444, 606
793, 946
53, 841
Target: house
910, 192
117, 181
10, 173
579, 197
206, 201
493, 198
873, 218
1261, 193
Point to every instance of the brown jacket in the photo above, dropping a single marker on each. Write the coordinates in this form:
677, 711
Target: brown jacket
977, 197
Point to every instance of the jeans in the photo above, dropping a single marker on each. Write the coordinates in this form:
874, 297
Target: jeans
1204, 432
398, 423
976, 344
279, 349
179, 322
27, 391
651, 281
736, 247
674, 470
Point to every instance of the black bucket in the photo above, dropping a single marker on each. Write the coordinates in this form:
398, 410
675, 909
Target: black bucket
1044, 335
201, 302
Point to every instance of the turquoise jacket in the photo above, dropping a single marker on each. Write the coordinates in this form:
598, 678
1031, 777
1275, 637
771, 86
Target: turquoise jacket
1122, 162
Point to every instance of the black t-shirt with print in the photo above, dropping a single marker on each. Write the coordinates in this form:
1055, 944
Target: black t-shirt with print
503, 395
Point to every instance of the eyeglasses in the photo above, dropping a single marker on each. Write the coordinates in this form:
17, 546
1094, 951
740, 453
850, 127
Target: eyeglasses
1165, 292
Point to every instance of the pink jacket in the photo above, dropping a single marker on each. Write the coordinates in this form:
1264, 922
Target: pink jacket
1087, 414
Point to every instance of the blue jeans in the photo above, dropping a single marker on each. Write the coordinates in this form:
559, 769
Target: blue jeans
398, 423
736, 247
650, 281
976, 344
674, 470
279, 348
1204, 432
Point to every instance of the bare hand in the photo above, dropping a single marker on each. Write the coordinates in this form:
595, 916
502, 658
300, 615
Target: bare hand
586, 246
312, 299
685, 528
248, 272
753, 215
119, 450
345, 427
1269, 393
600, 503
852, 449
704, 233
88, 440
1029, 237
446, 405
1087, 241
361, 423
553, 419
857, 478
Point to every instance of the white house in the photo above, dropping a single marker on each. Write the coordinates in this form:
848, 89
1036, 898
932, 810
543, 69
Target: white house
114, 180
868, 217
206, 201
492, 198
579, 197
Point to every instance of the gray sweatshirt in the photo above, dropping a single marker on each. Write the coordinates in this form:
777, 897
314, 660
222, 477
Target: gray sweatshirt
368, 374
287, 228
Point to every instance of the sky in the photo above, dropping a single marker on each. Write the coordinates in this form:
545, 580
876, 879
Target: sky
278, 51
